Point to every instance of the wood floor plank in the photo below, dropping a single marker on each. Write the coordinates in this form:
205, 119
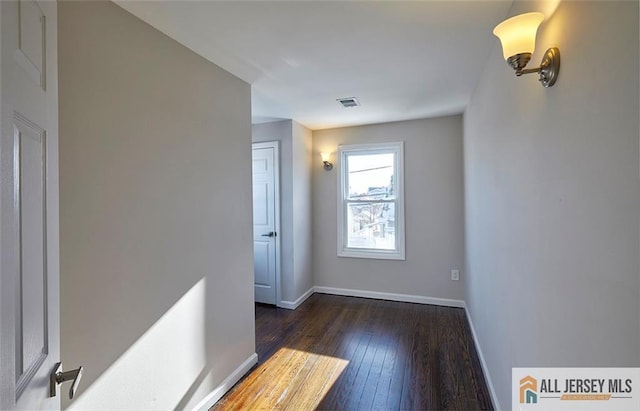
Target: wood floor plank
346, 353
397, 385
370, 390
384, 381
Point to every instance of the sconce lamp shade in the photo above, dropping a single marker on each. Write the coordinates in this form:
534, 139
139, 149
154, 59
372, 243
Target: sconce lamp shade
325, 160
518, 34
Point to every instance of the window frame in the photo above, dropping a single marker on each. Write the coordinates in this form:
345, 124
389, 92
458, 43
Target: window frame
344, 151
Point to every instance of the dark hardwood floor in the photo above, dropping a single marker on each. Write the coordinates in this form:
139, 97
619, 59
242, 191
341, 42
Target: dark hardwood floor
345, 353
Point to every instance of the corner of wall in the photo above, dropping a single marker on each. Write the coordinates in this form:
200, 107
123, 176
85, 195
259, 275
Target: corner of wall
152, 263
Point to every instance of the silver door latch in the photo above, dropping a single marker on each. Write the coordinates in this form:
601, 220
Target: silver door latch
58, 377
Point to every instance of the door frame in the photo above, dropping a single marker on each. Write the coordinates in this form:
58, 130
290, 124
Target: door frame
276, 177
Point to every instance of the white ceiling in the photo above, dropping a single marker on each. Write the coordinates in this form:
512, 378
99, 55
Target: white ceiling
401, 60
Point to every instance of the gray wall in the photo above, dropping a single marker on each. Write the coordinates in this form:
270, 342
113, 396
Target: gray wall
155, 214
302, 217
295, 203
553, 198
434, 211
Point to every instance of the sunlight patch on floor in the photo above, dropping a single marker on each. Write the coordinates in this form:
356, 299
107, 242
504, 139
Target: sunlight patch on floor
289, 379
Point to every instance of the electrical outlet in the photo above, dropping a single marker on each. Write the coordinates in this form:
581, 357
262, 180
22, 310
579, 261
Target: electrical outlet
455, 275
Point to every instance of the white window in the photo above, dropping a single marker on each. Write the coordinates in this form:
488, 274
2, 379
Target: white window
371, 201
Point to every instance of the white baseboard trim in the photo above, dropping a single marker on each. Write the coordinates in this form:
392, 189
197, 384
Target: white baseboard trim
407, 298
292, 305
485, 369
226, 385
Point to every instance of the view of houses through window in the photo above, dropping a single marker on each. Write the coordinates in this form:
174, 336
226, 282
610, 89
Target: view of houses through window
371, 220
371, 202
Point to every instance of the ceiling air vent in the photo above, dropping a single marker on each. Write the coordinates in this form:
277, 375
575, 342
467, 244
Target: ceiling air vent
348, 102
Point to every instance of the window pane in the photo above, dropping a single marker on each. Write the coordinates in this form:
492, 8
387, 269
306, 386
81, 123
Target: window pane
370, 177
371, 225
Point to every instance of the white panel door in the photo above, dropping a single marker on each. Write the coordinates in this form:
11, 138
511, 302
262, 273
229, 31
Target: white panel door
29, 304
265, 235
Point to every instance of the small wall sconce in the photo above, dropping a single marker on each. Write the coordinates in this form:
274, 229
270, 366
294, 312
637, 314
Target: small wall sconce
518, 38
325, 160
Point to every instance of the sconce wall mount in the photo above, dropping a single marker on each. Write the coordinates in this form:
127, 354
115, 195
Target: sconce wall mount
548, 70
518, 38
325, 160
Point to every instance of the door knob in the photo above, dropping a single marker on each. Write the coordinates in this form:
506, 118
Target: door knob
58, 377
271, 234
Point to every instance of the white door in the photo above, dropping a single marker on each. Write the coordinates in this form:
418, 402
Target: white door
29, 304
265, 214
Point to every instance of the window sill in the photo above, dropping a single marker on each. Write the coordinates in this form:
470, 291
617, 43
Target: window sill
376, 255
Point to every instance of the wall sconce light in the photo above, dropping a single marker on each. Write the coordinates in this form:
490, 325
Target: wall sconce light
325, 160
518, 38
